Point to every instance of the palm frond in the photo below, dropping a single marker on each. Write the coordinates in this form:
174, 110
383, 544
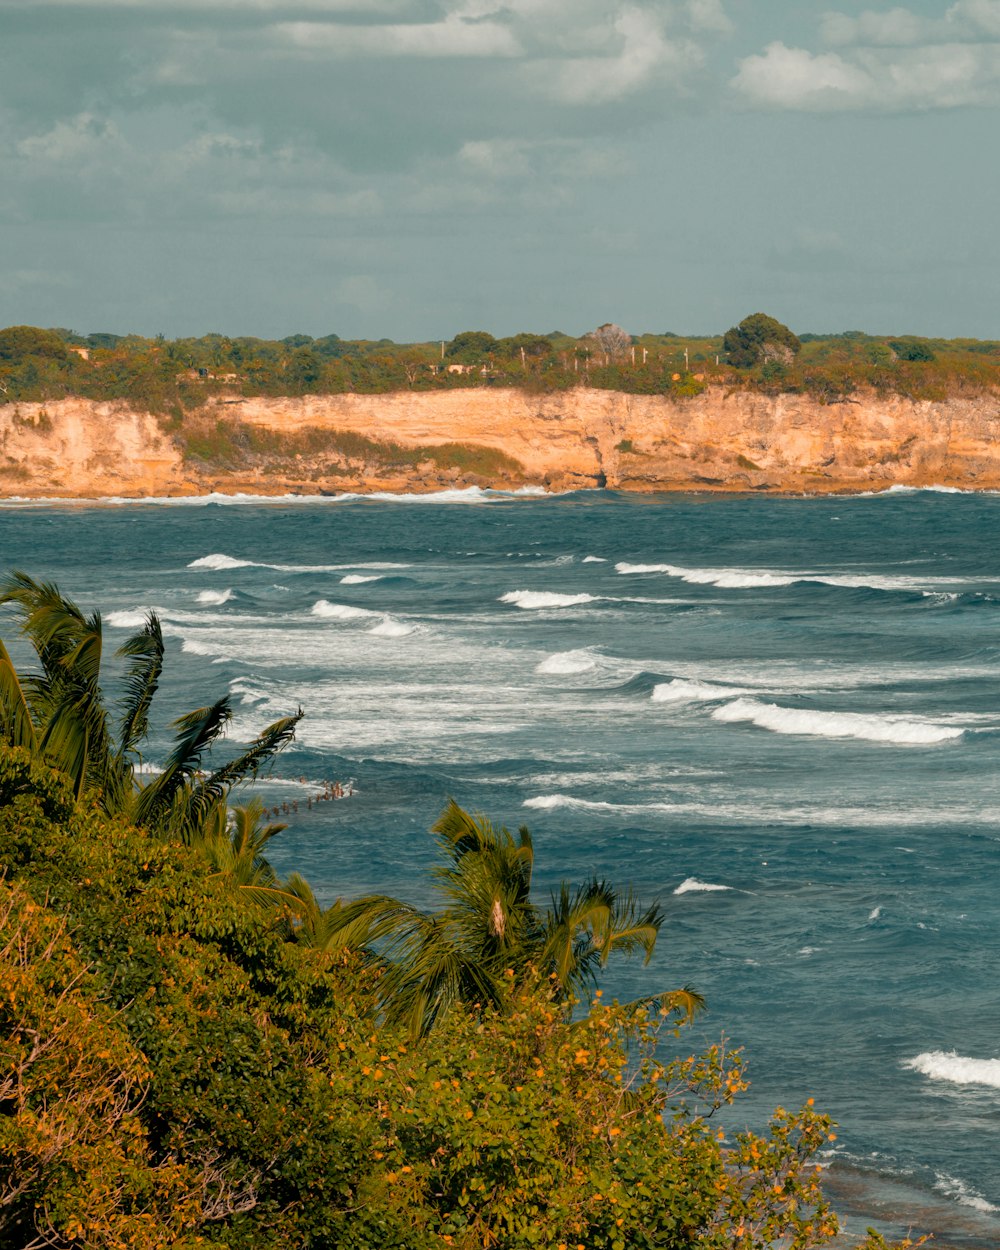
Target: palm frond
145, 649
16, 724
260, 753
196, 732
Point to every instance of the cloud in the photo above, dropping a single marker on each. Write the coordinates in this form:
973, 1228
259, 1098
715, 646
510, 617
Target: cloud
896, 77
83, 136
644, 55
964, 21
455, 36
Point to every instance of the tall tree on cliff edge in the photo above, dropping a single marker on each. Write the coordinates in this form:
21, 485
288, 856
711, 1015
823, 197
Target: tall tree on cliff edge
758, 339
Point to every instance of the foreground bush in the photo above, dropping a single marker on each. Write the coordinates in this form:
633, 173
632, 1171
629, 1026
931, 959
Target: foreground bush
174, 1071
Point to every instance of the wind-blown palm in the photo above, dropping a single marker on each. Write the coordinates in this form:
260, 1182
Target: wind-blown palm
60, 715
489, 937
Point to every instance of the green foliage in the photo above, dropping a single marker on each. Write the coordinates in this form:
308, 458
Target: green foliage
471, 346
489, 938
179, 379
18, 343
759, 338
59, 716
236, 445
911, 349
175, 1071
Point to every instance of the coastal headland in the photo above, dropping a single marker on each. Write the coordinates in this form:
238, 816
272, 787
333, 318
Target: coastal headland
717, 441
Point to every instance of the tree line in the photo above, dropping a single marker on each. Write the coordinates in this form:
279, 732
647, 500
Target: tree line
172, 377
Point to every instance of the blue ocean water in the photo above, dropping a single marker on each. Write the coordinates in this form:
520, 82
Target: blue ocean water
779, 716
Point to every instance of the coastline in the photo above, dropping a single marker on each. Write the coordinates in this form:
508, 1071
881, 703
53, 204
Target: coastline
432, 444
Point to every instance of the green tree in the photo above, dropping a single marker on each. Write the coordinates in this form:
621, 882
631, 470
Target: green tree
60, 715
760, 338
17, 343
471, 346
490, 937
911, 349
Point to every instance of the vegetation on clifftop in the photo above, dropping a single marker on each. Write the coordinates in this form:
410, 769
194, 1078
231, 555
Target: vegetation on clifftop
175, 377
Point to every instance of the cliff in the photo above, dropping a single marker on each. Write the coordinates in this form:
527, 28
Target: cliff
410, 441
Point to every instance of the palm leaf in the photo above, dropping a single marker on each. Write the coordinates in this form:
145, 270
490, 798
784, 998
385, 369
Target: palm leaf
196, 731
145, 649
16, 724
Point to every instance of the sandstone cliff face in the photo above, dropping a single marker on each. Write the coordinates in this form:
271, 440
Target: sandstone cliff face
582, 438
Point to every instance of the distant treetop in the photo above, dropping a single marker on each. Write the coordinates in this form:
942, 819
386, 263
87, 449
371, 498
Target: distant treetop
759, 339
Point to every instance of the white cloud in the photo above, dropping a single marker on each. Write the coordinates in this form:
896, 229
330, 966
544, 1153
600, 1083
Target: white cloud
930, 76
455, 36
793, 78
964, 21
83, 136
709, 15
643, 55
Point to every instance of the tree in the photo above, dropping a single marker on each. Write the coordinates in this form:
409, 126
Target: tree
17, 343
610, 339
471, 346
760, 338
490, 938
911, 349
60, 716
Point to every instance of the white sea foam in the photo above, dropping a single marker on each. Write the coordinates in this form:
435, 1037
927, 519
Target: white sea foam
952, 1187
594, 560
389, 628
355, 579
948, 1065
691, 885
746, 579
544, 599
728, 579
193, 647
125, 620
681, 691
338, 611
471, 494
875, 913
219, 560
804, 721
564, 663
214, 597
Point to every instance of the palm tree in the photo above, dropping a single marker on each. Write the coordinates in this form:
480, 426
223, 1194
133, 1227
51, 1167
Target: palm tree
60, 715
489, 938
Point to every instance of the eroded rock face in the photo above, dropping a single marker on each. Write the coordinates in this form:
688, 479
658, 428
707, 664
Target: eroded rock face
576, 439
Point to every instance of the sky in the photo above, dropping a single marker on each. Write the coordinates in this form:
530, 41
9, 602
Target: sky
412, 168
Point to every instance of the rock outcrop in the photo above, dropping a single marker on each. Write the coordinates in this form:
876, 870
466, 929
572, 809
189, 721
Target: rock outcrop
408, 441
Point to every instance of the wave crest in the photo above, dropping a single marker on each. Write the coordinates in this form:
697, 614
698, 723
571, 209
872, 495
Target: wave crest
691, 885
544, 599
564, 663
804, 721
948, 1065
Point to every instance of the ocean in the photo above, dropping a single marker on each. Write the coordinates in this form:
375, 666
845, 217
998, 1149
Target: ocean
779, 716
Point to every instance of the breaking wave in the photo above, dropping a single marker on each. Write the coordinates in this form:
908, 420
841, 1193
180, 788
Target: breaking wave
681, 691
564, 663
691, 885
544, 599
214, 598
787, 720
389, 628
746, 579
337, 611
947, 1065
355, 579
219, 560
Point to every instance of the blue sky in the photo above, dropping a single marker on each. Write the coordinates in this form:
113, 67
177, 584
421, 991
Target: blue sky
413, 168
